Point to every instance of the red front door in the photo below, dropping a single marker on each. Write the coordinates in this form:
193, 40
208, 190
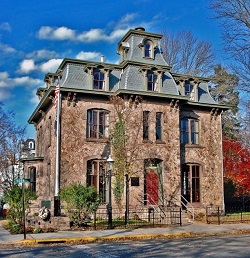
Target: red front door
152, 187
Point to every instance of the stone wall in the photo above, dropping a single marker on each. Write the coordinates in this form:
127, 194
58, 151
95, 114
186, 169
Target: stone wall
76, 150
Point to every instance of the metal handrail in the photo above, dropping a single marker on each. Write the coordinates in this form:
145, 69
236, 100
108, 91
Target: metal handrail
188, 207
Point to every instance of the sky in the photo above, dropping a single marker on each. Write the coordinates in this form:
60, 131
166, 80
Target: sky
35, 36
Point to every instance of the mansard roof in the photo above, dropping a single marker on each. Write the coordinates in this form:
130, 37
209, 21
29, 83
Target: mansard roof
128, 75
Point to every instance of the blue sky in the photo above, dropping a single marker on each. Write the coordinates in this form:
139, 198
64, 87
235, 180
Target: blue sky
36, 35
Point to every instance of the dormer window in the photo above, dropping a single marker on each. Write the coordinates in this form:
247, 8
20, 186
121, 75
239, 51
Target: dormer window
152, 82
148, 48
99, 80
189, 88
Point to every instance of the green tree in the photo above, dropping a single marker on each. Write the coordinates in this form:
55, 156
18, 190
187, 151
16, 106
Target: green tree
14, 197
224, 90
80, 201
125, 146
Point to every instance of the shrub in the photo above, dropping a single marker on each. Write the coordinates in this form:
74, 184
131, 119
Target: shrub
80, 201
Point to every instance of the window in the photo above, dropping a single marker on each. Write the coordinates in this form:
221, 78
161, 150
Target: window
158, 126
99, 80
31, 145
188, 89
97, 124
148, 52
191, 182
32, 172
145, 125
152, 82
96, 177
189, 131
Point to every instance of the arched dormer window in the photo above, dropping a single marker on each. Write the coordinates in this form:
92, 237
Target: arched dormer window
148, 49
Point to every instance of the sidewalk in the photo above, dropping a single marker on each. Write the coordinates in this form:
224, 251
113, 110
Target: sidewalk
115, 234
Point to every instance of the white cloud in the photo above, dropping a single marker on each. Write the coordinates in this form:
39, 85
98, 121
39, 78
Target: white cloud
27, 65
5, 26
8, 82
92, 35
34, 99
117, 34
42, 55
6, 48
5, 94
61, 33
88, 55
50, 66
4, 75
25, 81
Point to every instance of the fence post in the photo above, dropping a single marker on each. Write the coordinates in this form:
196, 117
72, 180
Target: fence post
153, 218
218, 213
94, 220
180, 217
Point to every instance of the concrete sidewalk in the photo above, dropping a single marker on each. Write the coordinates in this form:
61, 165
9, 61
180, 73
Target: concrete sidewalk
116, 234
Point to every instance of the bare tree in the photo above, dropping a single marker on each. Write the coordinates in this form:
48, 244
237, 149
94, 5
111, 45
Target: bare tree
235, 22
11, 136
186, 54
245, 122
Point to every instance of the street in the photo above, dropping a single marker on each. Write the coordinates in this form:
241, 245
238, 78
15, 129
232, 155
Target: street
212, 246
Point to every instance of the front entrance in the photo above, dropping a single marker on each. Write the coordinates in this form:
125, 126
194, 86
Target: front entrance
190, 182
153, 186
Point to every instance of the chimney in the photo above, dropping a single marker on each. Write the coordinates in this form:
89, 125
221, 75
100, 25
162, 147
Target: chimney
140, 29
102, 58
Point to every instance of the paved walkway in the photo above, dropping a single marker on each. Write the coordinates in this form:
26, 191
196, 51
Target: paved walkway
115, 234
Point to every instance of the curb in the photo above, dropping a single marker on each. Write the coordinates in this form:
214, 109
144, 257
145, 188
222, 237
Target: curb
65, 240
101, 238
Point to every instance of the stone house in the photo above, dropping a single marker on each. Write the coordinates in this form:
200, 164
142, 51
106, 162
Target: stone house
175, 129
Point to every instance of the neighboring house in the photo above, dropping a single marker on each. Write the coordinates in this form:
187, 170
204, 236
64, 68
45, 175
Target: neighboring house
28, 148
181, 153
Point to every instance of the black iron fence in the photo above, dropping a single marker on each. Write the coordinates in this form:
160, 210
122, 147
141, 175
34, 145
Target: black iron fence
150, 217
231, 214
